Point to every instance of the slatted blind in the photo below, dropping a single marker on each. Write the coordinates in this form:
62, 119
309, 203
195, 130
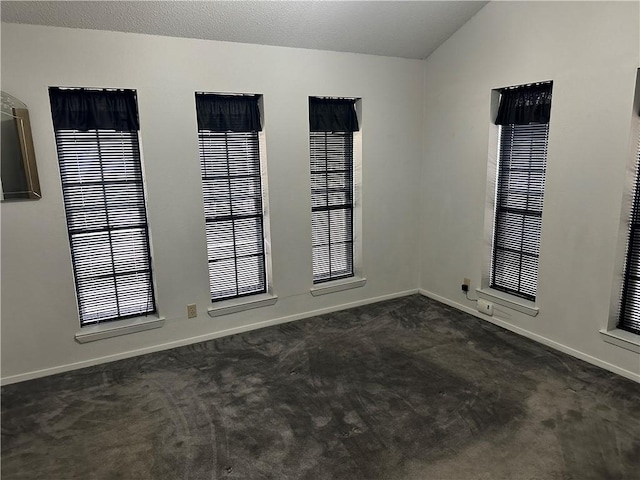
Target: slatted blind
629, 318
107, 223
518, 215
232, 191
332, 204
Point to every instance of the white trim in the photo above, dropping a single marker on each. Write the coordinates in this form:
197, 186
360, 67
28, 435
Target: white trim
199, 338
491, 191
117, 328
515, 303
621, 338
266, 211
358, 261
538, 338
241, 304
337, 286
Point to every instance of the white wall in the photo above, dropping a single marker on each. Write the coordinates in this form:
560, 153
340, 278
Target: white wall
39, 317
424, 178
591, 52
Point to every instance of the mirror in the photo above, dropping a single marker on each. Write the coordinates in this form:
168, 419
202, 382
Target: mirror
18, 171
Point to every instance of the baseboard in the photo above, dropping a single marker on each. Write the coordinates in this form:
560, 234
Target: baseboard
197, 339
534, 336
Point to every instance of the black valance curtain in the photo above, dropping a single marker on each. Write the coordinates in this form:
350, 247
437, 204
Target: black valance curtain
79, 109
525, 105
332, 115
228, 113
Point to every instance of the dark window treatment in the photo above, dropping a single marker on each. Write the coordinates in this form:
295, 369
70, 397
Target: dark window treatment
228, 113
83, 110
525, 105
332, 115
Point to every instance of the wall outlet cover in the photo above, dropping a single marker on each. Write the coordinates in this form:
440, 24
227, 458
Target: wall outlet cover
485, 307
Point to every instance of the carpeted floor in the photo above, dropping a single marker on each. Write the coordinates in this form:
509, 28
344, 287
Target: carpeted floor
403, 389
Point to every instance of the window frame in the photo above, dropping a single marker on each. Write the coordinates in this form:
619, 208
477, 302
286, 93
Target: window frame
84, 204
523, 104
343, 122
258, 150
610, 332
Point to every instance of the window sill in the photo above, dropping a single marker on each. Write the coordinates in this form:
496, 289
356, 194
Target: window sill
241, 304
117, 328
621, 338
337, 286
510, 301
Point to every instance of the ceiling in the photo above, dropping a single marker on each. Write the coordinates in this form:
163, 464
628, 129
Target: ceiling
391, 28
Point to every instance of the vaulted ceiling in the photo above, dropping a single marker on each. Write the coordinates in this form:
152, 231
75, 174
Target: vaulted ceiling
392, 28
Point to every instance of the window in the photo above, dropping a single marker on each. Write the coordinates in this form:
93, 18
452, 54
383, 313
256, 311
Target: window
629, 316
229, 145
332, 123
523, 119
99, 156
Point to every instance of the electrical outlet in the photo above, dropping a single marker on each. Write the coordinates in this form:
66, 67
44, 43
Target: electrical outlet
467, 282
192, 310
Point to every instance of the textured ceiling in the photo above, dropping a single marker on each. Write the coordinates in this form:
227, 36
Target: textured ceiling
396, 28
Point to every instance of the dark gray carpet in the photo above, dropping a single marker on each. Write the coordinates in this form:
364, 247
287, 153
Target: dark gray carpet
403, 389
